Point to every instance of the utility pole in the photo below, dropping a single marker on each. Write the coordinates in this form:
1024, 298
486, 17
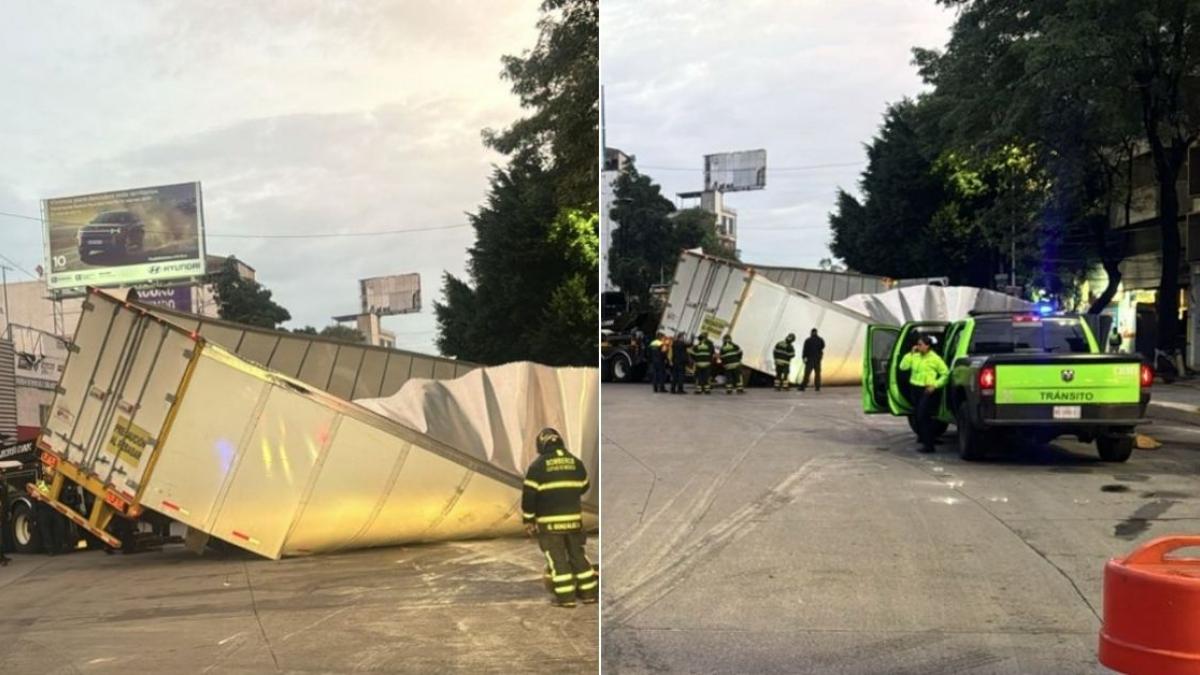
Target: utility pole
4, 283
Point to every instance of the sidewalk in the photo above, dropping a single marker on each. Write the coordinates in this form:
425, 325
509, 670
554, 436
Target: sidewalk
1178, 402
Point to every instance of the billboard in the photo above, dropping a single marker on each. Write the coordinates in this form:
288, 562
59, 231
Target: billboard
124, 238
395, 294
735, 171
178, 298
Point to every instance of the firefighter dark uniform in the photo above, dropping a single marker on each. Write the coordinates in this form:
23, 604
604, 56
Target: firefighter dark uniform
731, 359
679, 357
702, 356
785, 351
554, 483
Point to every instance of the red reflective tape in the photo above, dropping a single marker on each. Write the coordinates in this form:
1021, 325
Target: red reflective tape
170, 505
241, 535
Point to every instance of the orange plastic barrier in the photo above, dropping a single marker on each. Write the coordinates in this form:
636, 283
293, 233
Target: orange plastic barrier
1152, 610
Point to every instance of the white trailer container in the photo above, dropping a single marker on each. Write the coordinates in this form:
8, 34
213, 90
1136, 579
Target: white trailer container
718, 297
149, 416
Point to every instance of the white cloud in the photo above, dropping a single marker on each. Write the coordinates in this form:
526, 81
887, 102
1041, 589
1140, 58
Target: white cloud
298, 116
806, 80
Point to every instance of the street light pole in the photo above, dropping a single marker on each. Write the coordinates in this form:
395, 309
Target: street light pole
4, 283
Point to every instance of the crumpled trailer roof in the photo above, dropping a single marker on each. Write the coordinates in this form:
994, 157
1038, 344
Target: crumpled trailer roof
151, 415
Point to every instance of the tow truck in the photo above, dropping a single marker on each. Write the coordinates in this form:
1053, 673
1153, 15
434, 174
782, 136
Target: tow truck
1016, 377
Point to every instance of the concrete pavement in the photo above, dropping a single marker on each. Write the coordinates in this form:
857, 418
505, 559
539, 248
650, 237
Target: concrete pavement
791, 533
476, 607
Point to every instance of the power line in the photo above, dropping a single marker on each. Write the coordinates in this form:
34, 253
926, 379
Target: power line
314, 235
10, 261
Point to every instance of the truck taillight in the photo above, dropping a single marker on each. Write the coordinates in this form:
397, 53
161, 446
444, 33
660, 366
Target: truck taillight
987, 381
1147, 376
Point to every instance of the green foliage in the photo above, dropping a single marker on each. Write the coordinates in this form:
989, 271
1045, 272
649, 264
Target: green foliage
1080, 80
558, 81
246, 301
927, 211
334, 331
651, 233
532, 292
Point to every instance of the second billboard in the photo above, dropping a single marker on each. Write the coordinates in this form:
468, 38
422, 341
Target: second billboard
124, 238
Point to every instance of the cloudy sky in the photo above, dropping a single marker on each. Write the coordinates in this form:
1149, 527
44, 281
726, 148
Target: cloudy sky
298, 116
808, 80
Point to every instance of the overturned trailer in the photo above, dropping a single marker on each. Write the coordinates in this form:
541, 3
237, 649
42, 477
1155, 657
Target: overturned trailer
721, 297
152, 416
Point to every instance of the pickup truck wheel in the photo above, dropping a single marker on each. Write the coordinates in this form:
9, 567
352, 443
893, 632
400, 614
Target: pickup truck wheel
970, 441
622, 369
24, 534
1115, 447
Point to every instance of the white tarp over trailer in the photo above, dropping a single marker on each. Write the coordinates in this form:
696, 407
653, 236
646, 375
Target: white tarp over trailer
492, 413
931, 303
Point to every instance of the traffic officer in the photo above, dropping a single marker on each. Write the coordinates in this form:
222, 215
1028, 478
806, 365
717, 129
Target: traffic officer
679, 357
812, 353
551, 510
658, 362
702, 356
785, 351
928, 374
731, 359
51, 525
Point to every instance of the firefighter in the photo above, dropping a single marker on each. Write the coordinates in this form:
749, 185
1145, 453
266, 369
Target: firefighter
812, 353
551, 510
658, 362
928, 375
731, 359
702, 356
679, 357
51, 525
785, 351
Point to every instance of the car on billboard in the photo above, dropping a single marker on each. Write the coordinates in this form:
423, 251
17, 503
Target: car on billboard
117, 236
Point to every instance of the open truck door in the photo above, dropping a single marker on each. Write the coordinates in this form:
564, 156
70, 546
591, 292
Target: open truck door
877, 356
898, 380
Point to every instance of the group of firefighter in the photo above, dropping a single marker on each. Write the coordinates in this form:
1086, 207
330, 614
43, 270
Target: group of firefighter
671, 356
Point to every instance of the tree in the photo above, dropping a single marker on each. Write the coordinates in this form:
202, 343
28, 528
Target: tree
924, 210
558, 81
650, 234
1078, 77
334, 331
245, 300
532, 293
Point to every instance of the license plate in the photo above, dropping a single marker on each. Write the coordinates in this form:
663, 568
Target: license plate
94, 242
1067, 412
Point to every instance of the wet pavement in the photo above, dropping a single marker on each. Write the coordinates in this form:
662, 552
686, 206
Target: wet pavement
476, 607
791, 533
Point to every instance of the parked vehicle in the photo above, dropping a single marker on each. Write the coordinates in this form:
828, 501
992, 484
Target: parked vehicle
1016, 377
112, 236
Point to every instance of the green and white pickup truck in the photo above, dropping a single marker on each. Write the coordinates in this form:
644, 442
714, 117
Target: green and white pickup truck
1014, 378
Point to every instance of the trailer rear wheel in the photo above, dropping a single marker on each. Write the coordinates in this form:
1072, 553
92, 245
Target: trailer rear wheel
24, 534
970, 441
1115, 447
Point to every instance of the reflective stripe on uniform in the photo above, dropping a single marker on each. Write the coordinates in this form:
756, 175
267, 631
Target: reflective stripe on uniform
588, 586
564, 589
528, 516
560, 578
559, 484
585, 575
532, 483
560, 519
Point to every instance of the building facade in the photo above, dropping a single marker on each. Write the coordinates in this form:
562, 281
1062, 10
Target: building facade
615, 163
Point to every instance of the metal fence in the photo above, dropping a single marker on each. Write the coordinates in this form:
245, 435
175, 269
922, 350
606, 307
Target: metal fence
344, 369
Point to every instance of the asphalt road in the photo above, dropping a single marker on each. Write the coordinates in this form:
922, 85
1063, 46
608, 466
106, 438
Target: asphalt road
476, 607
791, 533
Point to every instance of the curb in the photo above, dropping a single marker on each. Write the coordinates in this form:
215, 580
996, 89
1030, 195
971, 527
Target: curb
1180, 413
